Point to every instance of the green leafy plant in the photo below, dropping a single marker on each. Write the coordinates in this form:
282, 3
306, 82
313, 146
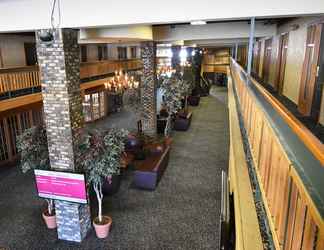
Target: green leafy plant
189, 78
33, 150
172, 95
100, 158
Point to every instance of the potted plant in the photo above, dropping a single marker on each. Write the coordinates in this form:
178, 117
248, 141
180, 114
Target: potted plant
188, 84
172, 95
101, 159
33, 150
194, 98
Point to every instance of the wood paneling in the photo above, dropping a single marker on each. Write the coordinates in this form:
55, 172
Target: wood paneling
91, 69
246, 222
216, 61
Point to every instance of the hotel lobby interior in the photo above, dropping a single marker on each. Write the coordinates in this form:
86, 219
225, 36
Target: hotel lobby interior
148, 125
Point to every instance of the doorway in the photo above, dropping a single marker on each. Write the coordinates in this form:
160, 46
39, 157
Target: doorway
267, 60
281, 65
1, 61
310, 93
30, 54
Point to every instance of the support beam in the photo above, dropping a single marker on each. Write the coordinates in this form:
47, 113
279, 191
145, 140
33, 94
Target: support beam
148, 87
251, 40
59, 66
236, 51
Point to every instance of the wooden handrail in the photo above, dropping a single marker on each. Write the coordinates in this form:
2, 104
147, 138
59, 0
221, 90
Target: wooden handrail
292, 202
12, 79
82, 64
311, 141
18, 69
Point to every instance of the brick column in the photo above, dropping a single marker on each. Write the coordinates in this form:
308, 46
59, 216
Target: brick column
59, 65
148, 87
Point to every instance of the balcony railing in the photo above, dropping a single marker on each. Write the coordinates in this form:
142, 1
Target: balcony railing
92, 69
289, 171
22, 78
15, 79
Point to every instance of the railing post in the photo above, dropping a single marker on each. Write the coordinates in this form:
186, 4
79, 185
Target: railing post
251, 39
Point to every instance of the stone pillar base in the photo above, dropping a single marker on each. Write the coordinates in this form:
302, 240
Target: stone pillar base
73, 220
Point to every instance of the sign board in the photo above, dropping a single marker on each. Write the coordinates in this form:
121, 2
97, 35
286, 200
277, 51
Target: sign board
61, 186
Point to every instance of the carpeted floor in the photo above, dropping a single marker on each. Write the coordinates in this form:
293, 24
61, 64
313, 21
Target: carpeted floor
182, 213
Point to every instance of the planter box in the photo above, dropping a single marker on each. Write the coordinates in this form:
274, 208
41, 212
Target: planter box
160, 124
149, 172
113, 187
182, 123
194, 100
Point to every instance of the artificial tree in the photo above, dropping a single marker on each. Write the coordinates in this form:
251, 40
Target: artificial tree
186, 84
33, 150
100, 158
172, 95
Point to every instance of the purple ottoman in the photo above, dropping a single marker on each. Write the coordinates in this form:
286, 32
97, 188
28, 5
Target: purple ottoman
149, 171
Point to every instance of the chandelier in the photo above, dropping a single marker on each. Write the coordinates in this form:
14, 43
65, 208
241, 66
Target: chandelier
165, 71
120, 82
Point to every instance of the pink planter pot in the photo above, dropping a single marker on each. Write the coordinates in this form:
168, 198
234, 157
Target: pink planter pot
50, 221
102, 231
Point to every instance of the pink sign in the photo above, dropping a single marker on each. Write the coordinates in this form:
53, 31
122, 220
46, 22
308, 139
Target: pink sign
61, 186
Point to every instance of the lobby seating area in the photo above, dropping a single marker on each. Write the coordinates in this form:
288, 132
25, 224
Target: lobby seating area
166, 127
160, 219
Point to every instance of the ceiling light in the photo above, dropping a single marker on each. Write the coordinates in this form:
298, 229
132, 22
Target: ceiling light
198, 22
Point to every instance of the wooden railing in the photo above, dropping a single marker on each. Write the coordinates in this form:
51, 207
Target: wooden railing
247, 230
294, 216
13, 79
91, 69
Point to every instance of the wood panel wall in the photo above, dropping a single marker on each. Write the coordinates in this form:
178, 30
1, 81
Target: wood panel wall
294, 219
216, 60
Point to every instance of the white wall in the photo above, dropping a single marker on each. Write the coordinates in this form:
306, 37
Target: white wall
223, 31
35, 14
13, 50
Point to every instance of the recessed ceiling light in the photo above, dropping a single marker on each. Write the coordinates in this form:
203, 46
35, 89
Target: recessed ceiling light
198, 22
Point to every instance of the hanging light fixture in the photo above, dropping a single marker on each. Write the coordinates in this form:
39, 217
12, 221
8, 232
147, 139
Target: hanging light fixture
47, 36
121, 82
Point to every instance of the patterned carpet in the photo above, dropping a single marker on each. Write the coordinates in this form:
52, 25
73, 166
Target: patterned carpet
182, 213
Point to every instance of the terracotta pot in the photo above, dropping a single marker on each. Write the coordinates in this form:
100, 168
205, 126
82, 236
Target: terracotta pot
50, 220
102, 230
